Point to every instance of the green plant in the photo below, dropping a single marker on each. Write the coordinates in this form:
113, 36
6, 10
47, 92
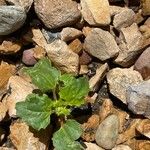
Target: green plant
66, 90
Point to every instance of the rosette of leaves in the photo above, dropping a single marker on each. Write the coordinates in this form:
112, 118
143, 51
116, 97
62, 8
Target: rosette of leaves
67, 91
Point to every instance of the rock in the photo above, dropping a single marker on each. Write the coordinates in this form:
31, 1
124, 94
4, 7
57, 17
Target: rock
11, 19
86, 30
145, 7
138, 98
39, 52
96, 12
84, 58
3, 111
9, 46
6, 71
143, 145
26, 4
2, 2
130, 46
122, 147
2, 134
124, 19
101, 44
19, 89
83, 69
99, 76
142, 64
143, 127
6, 148
92, 146
57, 13
28, 57
90, 127
62, 56
76, 46
119, 79
23, 137
68, 34
114, 10
139, 18
107, 132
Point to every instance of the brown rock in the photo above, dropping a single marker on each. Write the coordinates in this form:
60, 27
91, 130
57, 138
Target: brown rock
3, 111
84, 58
2, 2
10, 46
83, 69
101, 44
39, 52
62, 56
92, 146
124, 19
86, 30
145, 7
144, 127
2, 134
119, 80
142, 65
23, 137
20, 88
57, 13
130, 46
138, 18
143, 145
68, 34
96, 12
76, 46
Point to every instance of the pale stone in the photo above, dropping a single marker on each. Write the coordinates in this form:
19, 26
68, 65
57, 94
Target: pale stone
92, 146
122, 147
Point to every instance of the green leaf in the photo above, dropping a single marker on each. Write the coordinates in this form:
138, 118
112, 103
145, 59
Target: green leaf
74, 90
43, 75
65, 138
35, 110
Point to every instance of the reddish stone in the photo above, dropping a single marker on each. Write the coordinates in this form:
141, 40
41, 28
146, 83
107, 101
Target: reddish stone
85, 58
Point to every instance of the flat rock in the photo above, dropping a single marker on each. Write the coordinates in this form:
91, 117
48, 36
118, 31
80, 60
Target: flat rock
96, 12
68, 34
142, 64
101, 44
19, 89
124, 19
131, 42
11, 19
107, 132
122, 147
119, 79
92, 146
145, 7
62, 56
23, 138
138, 98
26, 4
57, 13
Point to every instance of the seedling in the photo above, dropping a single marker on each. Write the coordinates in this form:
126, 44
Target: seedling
67, 92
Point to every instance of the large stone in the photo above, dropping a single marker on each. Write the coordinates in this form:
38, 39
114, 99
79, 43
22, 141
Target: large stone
11, 19
142, 65
119, 79
107, 132
62, 56
57, 13
124, 19
96, 12
138, 98
131, 42
26, 4
101, 44
145, 7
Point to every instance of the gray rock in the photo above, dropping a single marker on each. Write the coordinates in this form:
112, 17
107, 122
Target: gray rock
57, 13
11, 19
107, 132
101, 44
138, 98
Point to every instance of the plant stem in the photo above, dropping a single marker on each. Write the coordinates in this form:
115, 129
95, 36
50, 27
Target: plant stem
54, 94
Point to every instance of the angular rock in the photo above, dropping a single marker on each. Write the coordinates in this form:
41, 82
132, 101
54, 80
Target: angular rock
114, 10
3, 111
86, 30
39, 52
107, 132
26, 4
122, 147
138, 98
11, 19
23, 137
142, 64
19, 88
84, 58
83, 69
130, 46
145, 7
92, 146
101, 44
68, 34
124, 19
96, 12
119, 79
62, 56
57, 13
